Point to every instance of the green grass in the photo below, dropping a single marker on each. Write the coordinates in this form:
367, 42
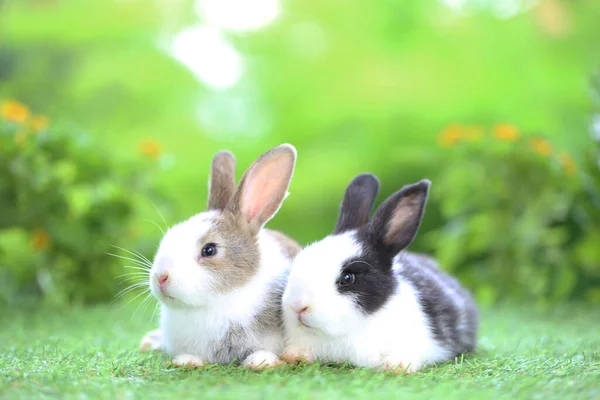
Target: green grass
92, 353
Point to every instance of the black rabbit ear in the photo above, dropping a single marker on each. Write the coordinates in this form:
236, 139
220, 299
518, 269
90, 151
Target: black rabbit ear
358, 202
396, 221
222, 180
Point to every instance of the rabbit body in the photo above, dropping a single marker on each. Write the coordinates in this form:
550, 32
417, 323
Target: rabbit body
357, 296
219, 275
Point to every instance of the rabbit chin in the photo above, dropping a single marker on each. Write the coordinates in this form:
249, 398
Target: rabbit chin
174, 299
190, 287
324, 325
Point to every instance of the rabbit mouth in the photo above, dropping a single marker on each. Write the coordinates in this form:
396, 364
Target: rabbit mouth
301, 321
163, 292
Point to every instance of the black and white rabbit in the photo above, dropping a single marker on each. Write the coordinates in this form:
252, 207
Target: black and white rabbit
357, 297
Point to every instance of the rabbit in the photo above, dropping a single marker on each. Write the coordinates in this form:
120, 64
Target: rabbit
357, 297
219, 275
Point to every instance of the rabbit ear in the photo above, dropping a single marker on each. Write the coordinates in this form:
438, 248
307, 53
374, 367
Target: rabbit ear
358, 202
264, 186
396, 221
221, 185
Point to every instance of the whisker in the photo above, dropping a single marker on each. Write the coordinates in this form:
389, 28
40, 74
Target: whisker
129, 289
137, 296
124, 292
156, 225
161, 216
135, 253
144, 301
133, 280
148, 303
154, 312
136, 273
134, 260
138, 268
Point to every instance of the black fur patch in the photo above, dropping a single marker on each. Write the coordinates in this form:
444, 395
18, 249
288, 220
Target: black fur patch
450, 309
358, 202
375, 283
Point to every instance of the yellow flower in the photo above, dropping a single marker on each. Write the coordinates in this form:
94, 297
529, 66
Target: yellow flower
541, 146
450, 135
14, 111
567, 162
40, 240
506, 132
150, 148
38, 123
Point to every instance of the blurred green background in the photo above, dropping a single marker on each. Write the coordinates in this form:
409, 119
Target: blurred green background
112, 110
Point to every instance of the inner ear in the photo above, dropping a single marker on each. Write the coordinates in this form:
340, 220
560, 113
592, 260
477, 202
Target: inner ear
404, 220
396, 222
264, 186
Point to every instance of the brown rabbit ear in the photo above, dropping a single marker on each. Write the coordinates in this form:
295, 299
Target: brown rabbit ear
221, 185
396, 221
358, 202
264, 186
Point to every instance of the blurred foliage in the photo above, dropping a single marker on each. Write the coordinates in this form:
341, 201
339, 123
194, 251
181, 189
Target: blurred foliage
518, 217
64, 204
355, 86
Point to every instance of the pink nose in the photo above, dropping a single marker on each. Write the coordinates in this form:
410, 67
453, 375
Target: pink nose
300, 309
162, 279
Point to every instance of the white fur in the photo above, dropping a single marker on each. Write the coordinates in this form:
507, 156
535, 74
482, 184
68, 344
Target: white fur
197, 317
397, 335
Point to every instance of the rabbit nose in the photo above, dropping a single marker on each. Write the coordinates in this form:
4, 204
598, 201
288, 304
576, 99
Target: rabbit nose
300, 309
303, 310
162, 279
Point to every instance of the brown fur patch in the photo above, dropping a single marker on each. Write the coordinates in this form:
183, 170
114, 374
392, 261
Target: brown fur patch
235, 231
237, 256
222, 180
289, 246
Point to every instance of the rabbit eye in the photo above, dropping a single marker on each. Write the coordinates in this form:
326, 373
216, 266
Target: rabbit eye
209, 250
347, 279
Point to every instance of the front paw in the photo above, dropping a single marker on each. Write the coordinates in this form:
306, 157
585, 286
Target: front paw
187, 360
295, 354
152, 341
397, 367
262, 359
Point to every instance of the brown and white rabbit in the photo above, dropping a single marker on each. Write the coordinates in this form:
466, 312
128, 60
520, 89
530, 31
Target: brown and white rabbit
358, 297
219, 275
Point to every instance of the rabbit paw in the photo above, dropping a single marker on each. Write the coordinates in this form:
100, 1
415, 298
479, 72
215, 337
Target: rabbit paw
187, 360
152, 341
262, 359
295, 355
